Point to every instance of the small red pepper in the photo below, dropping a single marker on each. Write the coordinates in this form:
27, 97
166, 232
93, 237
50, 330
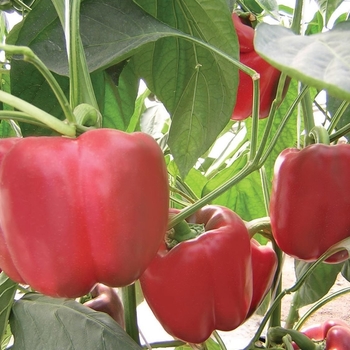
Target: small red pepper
106, 299
336, 334
338, 338
205, 283
269, 76
264, 265
309, 208
75, 212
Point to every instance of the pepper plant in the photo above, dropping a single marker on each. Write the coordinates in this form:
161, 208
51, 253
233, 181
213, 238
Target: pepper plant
172, 150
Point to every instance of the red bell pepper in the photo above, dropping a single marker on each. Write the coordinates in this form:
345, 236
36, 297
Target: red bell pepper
75, 212
338, 338
309, 209
205, 283
264, 265
335, 333
106, 299
269, 76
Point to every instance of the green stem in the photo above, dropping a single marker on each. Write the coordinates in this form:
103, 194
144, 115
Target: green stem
255, 120
37, 114
341, 132
275, 319
29, 56
19, 117
258, 225
164, 344
81, 89
186, 212
276, 335
318, 134
297, 16
309, 122
282, 125
293, 289
320, 304
337, 115
219, 340
293, 314
248, 169
130, 314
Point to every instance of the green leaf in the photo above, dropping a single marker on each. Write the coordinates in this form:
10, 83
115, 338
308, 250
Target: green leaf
245, 198
8, 290
320, 60
197, 86
111, 31
270, 6
119, 98
328, 7
315, 25
28, 84
332, 106
40, 322
317, 284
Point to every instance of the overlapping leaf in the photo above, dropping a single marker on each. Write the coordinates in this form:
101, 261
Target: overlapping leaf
320, 60
40, 322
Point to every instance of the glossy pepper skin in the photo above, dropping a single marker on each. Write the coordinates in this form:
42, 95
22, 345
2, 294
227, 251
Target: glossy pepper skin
205, 283
309, 208
75, 212
269, 75
264, 265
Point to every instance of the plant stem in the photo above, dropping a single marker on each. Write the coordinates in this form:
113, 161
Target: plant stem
29, 56
130, 314
319, 304
337, 247
38, 114
81, 89
249, 168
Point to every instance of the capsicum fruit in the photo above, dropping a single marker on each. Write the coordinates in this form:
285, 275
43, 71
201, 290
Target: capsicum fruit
264, 265
205, 283
335, 333
75, 212
310, 204
269, 75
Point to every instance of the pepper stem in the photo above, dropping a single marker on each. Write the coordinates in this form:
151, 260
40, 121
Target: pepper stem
183, 231
320, 135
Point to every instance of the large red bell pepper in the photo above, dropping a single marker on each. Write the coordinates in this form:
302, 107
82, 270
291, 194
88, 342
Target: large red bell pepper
75, 212
264, 265
309, 205
269, 76
205, 283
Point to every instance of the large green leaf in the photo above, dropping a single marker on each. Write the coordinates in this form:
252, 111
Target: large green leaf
320, 60
317, 284
41, 323
197, 86
111, 31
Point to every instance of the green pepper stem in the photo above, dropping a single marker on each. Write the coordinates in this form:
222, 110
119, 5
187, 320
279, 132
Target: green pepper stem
37, 114
276, 335
320, 135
